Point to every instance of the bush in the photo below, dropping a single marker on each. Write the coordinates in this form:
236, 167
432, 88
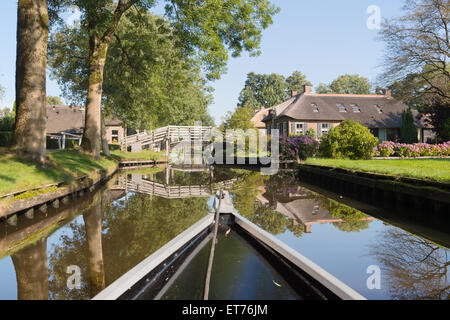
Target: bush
114, 147
348, 140
392, 149
298, 147
311, 132
5, 138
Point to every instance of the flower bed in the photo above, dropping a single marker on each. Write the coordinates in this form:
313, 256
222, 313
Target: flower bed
393, 149
298, 147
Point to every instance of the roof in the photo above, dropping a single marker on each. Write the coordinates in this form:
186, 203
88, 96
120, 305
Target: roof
300, 108
65, 119
259, 116
61, 118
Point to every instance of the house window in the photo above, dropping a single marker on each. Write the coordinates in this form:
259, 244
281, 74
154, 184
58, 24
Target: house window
341, 108
284, 129
323, 128
356, 108
378, 108
298, 128
315, 107
115, 135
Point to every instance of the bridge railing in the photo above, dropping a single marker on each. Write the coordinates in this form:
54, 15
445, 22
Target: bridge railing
171, 133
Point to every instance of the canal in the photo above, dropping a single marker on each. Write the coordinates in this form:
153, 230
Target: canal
105, 233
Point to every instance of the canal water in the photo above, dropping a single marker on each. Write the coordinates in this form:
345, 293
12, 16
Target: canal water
97, 238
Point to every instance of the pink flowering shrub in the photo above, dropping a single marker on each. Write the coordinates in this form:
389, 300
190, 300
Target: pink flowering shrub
415, 150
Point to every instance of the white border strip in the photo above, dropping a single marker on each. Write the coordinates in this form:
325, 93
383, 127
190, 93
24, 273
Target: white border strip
332, 283
125, 282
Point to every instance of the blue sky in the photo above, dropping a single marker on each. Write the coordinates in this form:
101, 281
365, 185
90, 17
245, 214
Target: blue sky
321, 38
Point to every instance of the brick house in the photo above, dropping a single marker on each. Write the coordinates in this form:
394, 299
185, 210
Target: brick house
382, 114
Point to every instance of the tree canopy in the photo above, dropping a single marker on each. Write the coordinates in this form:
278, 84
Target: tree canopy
346, 84
148, 81
206, 32
270, 89
53, 100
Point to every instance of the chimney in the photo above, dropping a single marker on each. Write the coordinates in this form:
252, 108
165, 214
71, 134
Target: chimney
294, 93
307, 89
388, 93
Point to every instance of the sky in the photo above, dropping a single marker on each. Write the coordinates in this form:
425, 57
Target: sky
322, 38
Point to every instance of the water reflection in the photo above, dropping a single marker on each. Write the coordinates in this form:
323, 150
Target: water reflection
415, 268
278, 203
108, 232
31, 271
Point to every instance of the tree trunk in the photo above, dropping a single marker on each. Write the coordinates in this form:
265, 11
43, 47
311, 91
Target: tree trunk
92, 128
93, 225
105, 145
32, 35
31, 269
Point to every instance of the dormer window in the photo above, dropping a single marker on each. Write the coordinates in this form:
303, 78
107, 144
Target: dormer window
341, 108
378, 108
315, 107
355, 108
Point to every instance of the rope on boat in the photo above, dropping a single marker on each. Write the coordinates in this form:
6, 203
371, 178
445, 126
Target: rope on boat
213, 247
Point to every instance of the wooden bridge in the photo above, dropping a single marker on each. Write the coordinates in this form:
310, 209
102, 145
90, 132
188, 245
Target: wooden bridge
138, 184
165, 136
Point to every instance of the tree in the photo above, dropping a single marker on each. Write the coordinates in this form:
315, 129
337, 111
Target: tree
408, 131
53, 100
32, 33
270, 89
148, 81
296, 82
239, 119
350, 84
2, 92
263, 90
323, 88
346, 84
438, 110
207, 30
417, 43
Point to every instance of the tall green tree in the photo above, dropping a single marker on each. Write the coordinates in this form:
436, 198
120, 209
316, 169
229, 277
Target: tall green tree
408, 131
350, 84
148, 82
270, 89
323, 88
32, 34
239, 119
296, 82
207, 29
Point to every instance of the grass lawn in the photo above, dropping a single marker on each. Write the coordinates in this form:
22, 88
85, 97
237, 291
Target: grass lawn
144, 155
427, 169
17, 174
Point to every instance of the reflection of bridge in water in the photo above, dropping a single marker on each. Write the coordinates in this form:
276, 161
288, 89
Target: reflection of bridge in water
144, 184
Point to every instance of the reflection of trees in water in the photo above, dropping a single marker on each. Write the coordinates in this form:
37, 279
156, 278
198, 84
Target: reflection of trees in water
354, 220
280, 187
30, 265
131, 232
244, 193
414, 268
